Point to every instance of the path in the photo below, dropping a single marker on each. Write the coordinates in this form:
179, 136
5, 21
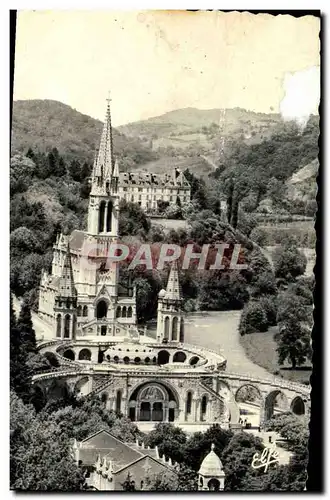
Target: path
210, 162
219, 331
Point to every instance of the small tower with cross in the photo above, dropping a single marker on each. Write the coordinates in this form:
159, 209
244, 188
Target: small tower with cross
170, 323
211, 476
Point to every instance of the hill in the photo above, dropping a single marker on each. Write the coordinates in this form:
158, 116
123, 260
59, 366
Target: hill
45, 124
187, 127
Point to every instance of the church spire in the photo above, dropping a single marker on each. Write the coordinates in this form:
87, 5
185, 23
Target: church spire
173, 289
66, 285
104, 164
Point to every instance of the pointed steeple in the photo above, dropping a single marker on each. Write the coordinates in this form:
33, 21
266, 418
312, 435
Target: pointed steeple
66, 285
173, 289
103, 167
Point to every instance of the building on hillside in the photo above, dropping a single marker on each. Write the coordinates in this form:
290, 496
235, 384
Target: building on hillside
148, 189
108, 462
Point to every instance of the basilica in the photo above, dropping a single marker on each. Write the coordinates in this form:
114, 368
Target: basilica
147, 376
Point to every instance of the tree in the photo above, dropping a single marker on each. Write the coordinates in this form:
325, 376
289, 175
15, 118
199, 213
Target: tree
19, 371
173, 212
253, 319
25, 327
41, 453
291, 308
289, 263
264, 284
23, 241
75, 170
199, 445
132, 219
230, 191
294, 343
61, 167
169, 439
237, 458
234, 215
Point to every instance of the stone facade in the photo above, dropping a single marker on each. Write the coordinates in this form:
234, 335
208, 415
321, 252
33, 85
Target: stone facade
147, 189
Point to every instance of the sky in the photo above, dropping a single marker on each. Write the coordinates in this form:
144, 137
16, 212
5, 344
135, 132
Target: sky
156, 61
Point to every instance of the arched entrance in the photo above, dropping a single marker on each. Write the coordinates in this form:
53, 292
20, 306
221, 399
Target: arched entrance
153, 402
179, 357
101, 309
163, 357
298, 406
276, 402
250, 403
213, 484
194, 360
69, 354
85, 355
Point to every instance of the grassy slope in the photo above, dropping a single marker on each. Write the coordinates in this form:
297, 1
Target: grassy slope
260, 347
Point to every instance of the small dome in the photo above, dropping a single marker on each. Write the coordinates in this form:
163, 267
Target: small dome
211, 465
162, 293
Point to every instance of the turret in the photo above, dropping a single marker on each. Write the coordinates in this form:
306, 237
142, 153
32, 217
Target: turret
170, 323
65, 308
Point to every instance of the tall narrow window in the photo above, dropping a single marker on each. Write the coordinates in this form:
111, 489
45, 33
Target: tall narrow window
101, 216
175, 328
188, 403
58, 325
167, 327
109, 217
203, 407
118, 402
67, 326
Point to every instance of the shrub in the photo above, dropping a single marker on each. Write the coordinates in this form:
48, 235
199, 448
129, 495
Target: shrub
253, 319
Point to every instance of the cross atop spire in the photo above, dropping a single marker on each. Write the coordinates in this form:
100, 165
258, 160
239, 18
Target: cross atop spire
104, 163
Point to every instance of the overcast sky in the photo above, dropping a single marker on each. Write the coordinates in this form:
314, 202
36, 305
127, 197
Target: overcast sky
154, 62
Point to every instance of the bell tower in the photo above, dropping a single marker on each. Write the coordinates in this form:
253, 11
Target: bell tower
103, 210
170, 323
